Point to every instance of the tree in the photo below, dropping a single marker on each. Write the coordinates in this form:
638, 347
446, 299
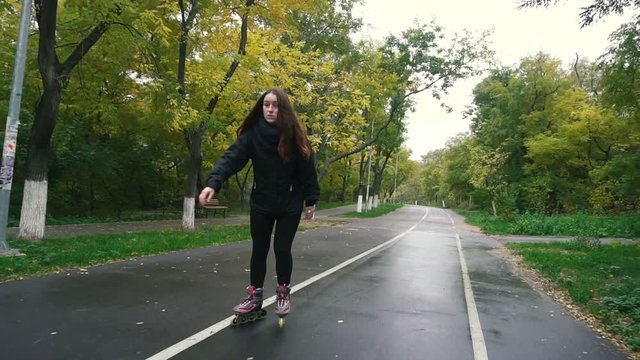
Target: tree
432, 176
562, 159
335, 94
325, 27
421, 60
387, 145
618, 178
485, 174
512, 106
588, 14
457, 163
55, 76
193, 136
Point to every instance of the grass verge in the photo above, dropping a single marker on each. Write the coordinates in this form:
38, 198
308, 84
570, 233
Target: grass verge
53, 255
603, 280
58, 254
584, 225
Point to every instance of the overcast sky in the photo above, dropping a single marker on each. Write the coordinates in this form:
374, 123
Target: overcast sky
516, 34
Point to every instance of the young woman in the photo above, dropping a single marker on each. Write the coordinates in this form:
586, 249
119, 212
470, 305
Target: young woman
285, 179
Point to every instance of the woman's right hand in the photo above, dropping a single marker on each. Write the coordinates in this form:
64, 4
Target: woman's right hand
206, 195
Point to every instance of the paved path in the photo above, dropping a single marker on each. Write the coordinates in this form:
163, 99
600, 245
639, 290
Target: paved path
410, 285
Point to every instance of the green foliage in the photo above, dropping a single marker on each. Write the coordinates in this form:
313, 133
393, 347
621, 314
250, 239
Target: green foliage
325, 26
544, 139
603, 280
548, 140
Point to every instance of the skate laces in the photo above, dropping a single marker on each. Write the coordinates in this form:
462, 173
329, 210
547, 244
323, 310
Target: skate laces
282, 294
246, 301
252, 297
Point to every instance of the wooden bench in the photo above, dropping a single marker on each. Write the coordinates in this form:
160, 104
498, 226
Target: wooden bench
216, 206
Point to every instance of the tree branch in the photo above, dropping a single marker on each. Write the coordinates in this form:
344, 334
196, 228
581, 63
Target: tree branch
82, 49
236, 61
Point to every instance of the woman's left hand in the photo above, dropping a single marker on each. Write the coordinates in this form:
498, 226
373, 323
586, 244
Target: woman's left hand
309, 211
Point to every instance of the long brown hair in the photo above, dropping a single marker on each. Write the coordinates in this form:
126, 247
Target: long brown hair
292, 137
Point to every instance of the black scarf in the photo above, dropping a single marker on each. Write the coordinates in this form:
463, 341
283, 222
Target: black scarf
269, 132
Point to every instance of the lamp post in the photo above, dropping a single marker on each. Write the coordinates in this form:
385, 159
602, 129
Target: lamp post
395, 177
368, 204
11, 132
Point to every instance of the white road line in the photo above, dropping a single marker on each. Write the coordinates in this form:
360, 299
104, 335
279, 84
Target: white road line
220, 325
479, 348
477, 338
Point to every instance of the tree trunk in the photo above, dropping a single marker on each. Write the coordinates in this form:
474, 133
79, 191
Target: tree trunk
188, 214
195, 161
378, 173
54, 76
192, 137
343, 191
34, 202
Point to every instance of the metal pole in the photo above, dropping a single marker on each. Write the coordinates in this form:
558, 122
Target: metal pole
395, 177
11, 132
366, 199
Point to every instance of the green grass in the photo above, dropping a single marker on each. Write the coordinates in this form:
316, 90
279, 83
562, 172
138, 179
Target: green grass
604, 280
579, 225
382, 209
69, 220
53, 255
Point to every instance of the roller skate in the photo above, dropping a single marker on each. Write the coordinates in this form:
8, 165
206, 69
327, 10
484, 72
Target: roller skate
250, 309
283, 303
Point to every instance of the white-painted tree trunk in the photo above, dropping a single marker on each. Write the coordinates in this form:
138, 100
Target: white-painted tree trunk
188, 213
359, 206
376, 201
34, 210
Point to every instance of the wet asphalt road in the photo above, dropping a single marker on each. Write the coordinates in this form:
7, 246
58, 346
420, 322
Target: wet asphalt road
405, 301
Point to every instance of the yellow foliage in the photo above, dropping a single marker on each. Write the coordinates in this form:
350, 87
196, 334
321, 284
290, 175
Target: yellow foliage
603, 198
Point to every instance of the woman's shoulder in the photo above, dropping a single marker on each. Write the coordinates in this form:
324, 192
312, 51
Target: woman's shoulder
247, 133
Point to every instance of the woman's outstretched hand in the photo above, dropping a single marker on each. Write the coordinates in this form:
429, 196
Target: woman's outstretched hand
206, 195
309, 211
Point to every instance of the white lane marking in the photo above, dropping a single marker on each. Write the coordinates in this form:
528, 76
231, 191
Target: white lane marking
222, 324
479, 347
477, 338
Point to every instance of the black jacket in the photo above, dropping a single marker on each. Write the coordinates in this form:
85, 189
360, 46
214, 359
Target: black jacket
278, 187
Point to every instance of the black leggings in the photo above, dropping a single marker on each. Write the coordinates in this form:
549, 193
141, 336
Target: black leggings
261, 229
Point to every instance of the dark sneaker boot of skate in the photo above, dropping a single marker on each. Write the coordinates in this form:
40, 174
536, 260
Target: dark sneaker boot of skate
252, 302
283, 300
